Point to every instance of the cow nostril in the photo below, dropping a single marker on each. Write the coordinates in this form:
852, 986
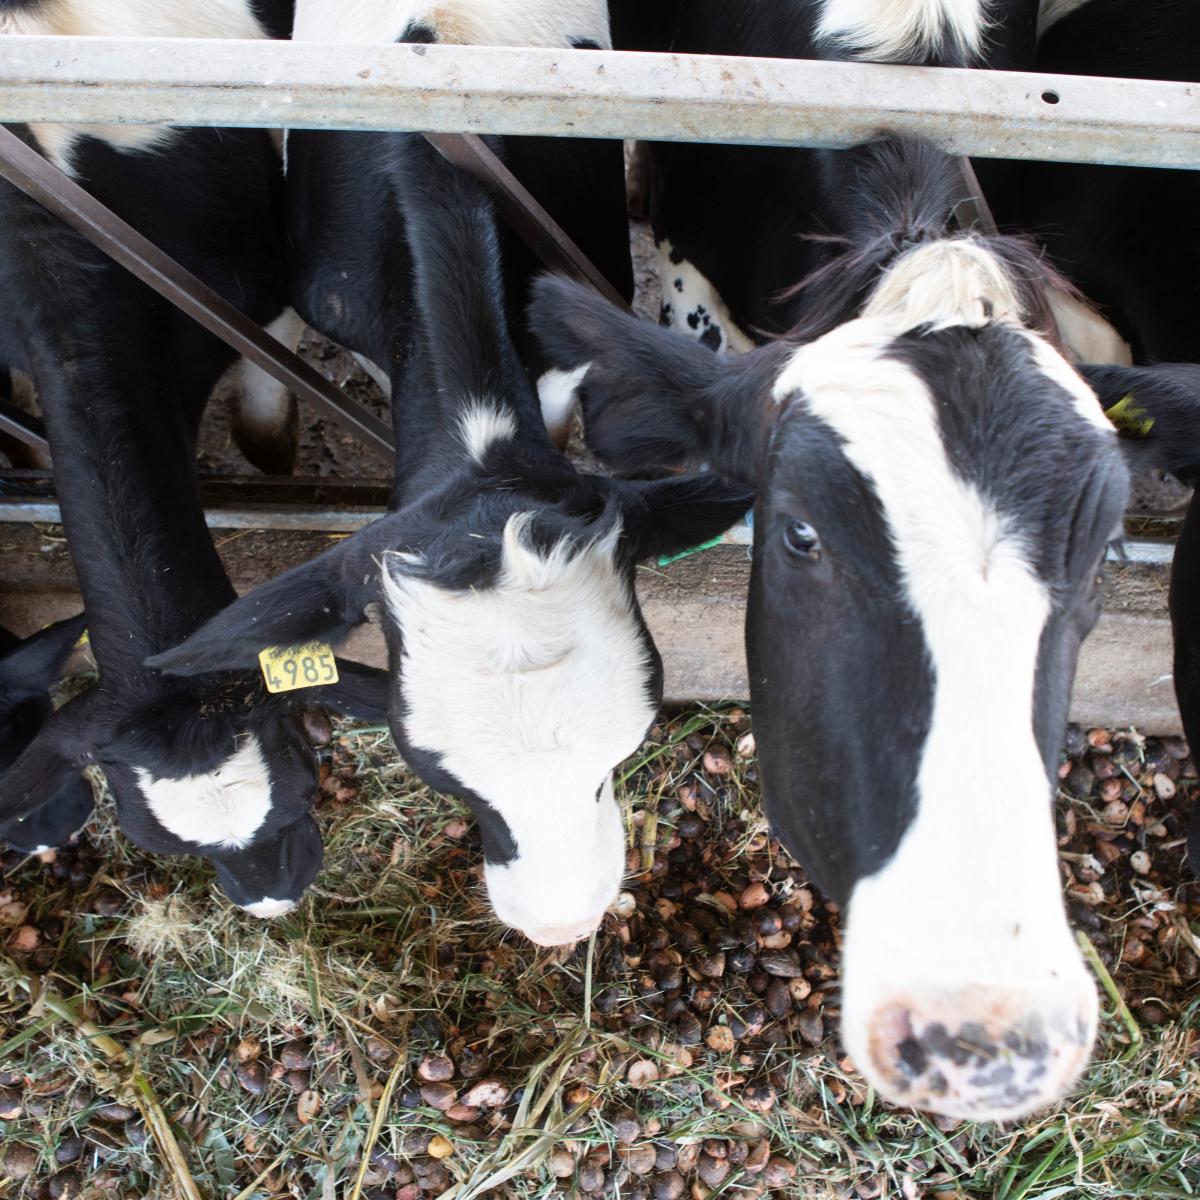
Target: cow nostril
1005, 1063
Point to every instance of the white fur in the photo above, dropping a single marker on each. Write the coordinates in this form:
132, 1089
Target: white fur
558, 394
481, 424
554, 23
948, 933
225, 807
267, 908
1053, 11
263, 401
953, 281
686, 292
531, 691
125, 18
1086, 335
900, 29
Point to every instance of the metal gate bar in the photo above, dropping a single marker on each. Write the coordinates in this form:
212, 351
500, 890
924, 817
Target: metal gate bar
656, 97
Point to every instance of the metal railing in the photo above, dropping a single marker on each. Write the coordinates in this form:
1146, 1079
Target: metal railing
657, 97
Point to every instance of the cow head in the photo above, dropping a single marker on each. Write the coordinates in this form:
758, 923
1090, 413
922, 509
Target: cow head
218, 770
521, 669
936, 489
28, 670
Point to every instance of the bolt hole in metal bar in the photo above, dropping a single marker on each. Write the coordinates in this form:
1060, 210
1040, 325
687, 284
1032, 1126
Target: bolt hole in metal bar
479, 89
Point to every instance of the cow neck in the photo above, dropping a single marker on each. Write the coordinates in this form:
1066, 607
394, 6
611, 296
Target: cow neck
465, 356
124, 456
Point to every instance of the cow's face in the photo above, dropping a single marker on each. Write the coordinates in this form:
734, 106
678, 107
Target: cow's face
931, 527
522, 671
226, 774
520, 691
936, 490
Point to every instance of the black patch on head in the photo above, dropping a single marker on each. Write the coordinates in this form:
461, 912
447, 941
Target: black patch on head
585, 44
839, 673
676, 255
711, 337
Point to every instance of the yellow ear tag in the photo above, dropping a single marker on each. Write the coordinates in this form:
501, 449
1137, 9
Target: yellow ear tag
84, 640
290, 668
1129, 418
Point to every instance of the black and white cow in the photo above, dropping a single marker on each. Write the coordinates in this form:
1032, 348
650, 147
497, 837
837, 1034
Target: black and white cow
734, 225
522, 670
213, 768
29, 668
936, 488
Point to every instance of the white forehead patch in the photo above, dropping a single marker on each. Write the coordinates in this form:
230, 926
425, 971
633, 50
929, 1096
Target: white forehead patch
894, 29
554, 23
225, 807
129, 18
536, 685
481, 424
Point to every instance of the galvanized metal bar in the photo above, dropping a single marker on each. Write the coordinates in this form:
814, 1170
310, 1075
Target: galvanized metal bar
479, 89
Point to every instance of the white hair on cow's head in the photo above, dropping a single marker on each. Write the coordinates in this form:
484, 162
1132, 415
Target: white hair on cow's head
481, 424
951, 281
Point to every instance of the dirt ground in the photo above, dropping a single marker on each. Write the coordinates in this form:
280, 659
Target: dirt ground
390, 1040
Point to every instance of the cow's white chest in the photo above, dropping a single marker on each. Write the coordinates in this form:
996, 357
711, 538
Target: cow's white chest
553, 23
225, 807
132, 19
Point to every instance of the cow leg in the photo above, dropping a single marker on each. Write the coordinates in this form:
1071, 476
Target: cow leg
266, 420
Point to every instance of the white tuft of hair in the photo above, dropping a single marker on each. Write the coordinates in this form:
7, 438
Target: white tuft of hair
481, 424
954, 281
886, 30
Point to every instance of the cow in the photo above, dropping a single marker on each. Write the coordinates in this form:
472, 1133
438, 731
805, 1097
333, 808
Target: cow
212, 767
734, 225
521, 669
936, 490
29, 668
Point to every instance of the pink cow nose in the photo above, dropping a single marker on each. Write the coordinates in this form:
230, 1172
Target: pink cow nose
983, 1054
563, 935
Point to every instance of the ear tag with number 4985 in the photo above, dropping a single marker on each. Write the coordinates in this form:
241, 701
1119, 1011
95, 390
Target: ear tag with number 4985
290, 668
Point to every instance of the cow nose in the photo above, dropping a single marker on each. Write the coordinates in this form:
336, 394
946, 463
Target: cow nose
987, 1054
564, 935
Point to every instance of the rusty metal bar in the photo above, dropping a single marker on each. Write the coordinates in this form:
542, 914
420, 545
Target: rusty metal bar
478, 89
26, 169
19, 424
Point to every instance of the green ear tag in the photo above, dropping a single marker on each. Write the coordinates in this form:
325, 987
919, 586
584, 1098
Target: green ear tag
1129, 418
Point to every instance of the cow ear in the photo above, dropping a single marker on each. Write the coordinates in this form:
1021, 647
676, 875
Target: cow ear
33, 665
652, 397
318, 601
1156, 411
670, 516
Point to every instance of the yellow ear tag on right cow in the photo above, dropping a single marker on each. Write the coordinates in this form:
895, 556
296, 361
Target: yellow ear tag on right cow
290, 668
1129, 418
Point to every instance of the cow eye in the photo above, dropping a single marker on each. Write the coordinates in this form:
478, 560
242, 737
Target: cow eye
802, 540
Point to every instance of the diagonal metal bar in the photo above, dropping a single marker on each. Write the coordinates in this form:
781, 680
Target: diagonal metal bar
26, 169
19, 424
520, 209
